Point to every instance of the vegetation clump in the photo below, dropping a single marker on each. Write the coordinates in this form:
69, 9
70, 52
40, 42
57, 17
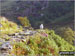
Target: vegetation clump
43, 45
8, 27
67, 33
24, 21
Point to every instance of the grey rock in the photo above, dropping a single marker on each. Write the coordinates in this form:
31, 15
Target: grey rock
16, 34
6, 45
0, 25
21, 33
30, 32
25, 28
13, 36
15, 39
5, 48
4, 54
2, 40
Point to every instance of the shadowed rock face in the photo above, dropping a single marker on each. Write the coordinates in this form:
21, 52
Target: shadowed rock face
45, 11
17, 8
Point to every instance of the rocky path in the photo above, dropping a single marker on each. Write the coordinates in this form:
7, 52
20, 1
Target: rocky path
6, 47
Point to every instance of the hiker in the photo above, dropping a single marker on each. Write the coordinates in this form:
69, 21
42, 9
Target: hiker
41, 26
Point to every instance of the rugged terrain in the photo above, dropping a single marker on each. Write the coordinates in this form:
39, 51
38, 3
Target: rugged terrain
17, 40
20, 34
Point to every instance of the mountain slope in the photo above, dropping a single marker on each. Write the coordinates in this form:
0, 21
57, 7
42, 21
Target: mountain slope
33, 42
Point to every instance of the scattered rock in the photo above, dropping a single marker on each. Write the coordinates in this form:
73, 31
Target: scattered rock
15, 39
30, 32
30, 28
0, 25
6, 47
23, 40
2, 40
4, 54
22, 33
16, 34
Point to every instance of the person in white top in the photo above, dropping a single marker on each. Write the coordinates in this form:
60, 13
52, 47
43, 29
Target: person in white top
41, 26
